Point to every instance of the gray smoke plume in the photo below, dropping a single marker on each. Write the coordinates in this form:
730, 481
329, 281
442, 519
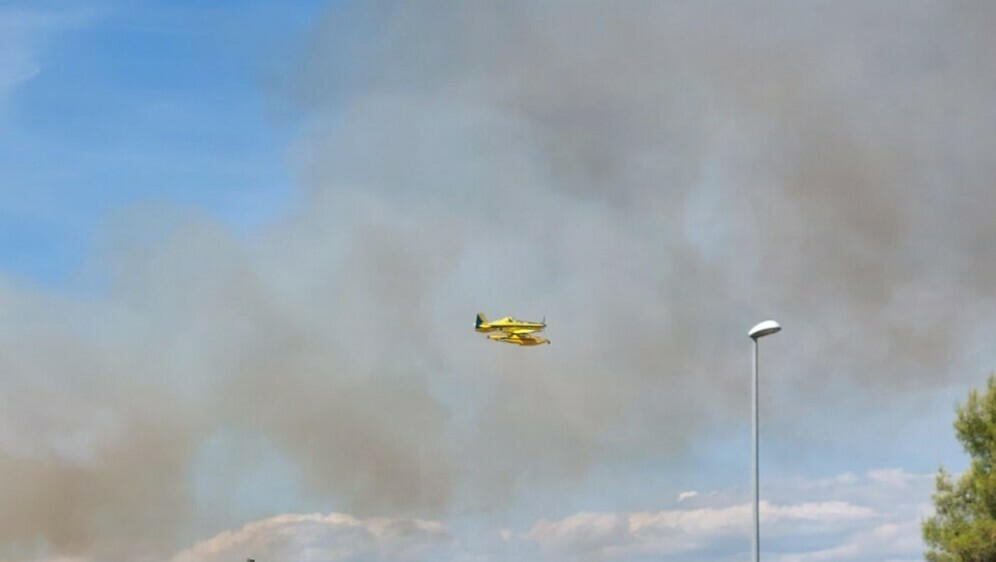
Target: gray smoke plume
658, 177
653, 178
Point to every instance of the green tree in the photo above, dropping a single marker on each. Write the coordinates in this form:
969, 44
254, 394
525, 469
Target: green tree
963, 528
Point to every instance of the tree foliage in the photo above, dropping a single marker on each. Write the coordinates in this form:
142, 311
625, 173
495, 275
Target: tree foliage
963, 528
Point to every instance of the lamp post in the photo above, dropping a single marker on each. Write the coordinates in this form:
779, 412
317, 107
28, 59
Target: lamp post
765, 328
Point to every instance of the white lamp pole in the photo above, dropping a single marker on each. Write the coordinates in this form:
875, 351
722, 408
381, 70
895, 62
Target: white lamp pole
765, 328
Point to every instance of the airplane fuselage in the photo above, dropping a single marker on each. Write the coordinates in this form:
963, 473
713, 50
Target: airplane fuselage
508, 324
511, 328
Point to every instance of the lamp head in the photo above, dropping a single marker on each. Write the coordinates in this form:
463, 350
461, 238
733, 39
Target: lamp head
765, 328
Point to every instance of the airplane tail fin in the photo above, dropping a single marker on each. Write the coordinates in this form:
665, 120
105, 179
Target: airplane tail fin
481, 320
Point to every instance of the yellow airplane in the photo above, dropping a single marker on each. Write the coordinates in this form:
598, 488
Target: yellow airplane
519, 332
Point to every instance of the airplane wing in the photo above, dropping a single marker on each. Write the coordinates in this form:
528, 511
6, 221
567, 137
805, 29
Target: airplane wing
527, 339
518, 339
523, 331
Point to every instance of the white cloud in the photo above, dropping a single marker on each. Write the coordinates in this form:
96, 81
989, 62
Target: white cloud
334, 537
863, 517
897, 477
669, 531
854, 517
846, 479
687, 495
890, 541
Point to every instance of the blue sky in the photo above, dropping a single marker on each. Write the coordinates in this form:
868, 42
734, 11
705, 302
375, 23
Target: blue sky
136, 102
221, 222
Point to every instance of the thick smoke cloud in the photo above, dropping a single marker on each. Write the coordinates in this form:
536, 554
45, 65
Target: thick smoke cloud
652, 177
90, 454
657, 177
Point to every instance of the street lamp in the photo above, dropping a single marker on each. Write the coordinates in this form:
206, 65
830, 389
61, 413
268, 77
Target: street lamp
765, 328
